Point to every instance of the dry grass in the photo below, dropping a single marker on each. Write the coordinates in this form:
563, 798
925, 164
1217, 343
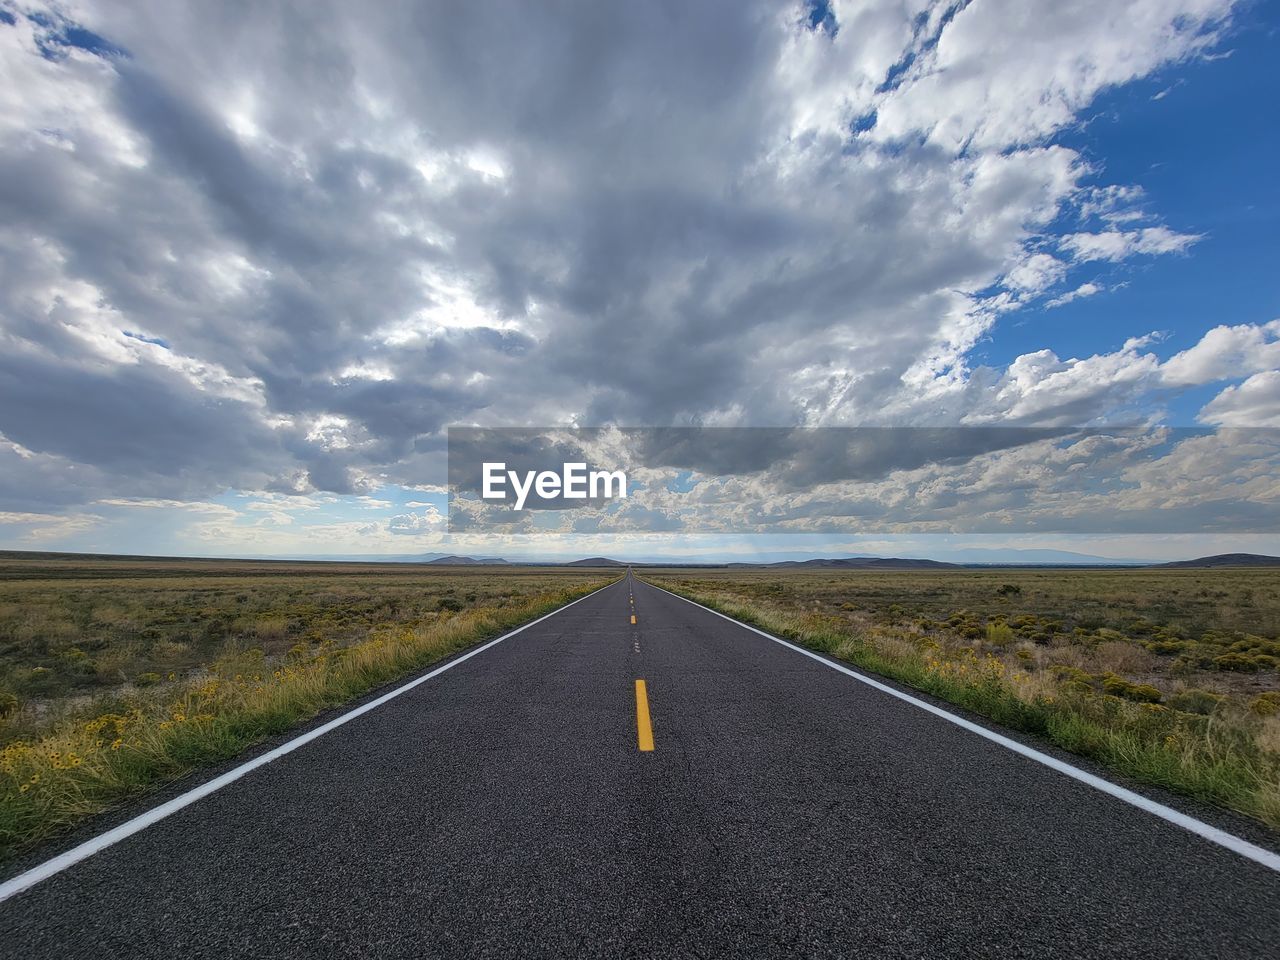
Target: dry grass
161, 675
1157, 673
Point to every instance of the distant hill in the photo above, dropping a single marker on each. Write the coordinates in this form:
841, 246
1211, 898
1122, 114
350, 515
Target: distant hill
861, 563
466, 561
1228, 560
1027, 559
1019, 558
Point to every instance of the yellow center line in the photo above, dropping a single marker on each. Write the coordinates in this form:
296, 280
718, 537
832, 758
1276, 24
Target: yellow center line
633, 618
644, 731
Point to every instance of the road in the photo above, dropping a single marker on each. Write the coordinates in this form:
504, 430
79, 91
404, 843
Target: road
506, 808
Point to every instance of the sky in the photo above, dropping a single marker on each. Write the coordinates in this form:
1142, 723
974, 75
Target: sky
255, 260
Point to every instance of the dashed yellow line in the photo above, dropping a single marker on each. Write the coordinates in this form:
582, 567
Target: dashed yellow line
644, 729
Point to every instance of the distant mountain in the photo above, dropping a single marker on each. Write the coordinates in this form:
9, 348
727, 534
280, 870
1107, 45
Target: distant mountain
992, 559
454, 560
1031, 557
350, 557
860, 563
1228, 560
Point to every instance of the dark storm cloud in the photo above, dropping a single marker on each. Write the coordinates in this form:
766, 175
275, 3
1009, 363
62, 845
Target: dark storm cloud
804, 457
148, 431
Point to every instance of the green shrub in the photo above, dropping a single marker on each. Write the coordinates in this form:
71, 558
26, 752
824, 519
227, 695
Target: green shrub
8, 703
1166, 647
1196, 701
1000, 634
1065, 672
1266, 704
147, 679
1144, 693
1073, 679
1140, 692
1238, 662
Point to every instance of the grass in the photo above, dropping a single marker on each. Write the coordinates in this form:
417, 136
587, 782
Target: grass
119, 675
1156, 674
112, 685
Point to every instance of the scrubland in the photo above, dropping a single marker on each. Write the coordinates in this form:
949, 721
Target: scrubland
117, 675
1169, 676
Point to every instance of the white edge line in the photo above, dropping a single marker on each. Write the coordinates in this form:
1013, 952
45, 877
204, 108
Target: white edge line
1209, 832
62, 861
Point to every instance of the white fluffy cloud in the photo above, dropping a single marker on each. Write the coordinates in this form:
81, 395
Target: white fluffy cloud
1226, 353
430, 520
1254, 403
1006, 72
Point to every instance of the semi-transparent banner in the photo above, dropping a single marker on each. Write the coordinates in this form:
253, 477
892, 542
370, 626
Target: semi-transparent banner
863, 480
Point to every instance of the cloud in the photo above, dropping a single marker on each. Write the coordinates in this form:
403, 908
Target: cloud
1226, 353
37, 527
282, 253
1122, 244
415, 524
168, 505
1036, 273
946, 480
1254, 403
1084, 290
1003, 72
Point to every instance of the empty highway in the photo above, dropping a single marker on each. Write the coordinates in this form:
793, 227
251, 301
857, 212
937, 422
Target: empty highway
637, 776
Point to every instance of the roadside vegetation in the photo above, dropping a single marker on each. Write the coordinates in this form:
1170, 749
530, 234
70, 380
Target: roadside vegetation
116, 676
1168, 676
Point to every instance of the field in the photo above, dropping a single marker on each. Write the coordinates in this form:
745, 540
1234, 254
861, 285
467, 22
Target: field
116, 675
1168, 676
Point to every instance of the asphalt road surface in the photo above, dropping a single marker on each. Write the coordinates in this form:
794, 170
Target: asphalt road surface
508, 807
